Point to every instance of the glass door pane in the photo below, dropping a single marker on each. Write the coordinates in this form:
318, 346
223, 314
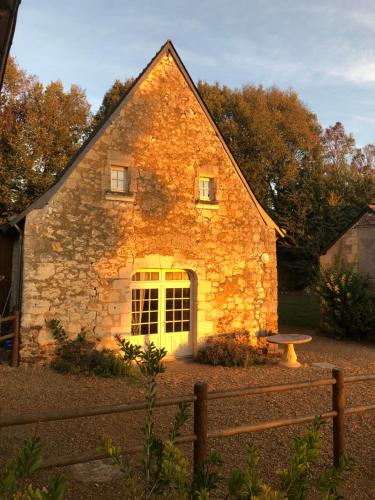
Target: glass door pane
177, 310
145, 311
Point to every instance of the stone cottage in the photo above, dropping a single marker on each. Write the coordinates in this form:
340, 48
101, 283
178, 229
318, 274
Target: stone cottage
151, 232
355, 245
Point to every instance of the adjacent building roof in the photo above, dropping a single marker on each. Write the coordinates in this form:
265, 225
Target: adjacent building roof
369, 209
8, 17
167, 48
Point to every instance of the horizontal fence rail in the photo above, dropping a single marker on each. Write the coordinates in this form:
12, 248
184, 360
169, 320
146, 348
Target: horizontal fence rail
264, 389
201, 399
4, 319
32, 418
273, 424
90, 457
359, 378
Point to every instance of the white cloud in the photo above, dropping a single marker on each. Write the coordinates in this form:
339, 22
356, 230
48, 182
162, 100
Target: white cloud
361, 72
363, 18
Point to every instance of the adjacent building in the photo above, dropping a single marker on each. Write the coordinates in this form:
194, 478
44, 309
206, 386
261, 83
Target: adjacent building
355, 245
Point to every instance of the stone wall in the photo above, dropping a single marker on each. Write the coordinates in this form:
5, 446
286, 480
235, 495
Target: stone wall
357, 247
81, 249
366, 246
346, 248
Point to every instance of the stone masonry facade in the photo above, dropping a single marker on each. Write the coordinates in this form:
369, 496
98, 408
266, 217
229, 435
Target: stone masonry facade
81, 249
356, 247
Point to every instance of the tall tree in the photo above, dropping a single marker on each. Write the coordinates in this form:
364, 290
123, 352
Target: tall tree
364, 159
349, 177
111, 98
313, 182
40, 129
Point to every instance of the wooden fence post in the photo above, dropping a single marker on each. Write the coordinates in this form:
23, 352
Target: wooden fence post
338, 425
16, 339
200, 423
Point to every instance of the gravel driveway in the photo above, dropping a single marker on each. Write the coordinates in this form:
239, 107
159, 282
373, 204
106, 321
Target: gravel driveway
28, 389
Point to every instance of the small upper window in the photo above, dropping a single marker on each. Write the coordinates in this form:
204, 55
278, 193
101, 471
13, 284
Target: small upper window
206, 191
119, 179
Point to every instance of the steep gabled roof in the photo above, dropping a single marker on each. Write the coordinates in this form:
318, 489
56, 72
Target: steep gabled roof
369, 209
167, 48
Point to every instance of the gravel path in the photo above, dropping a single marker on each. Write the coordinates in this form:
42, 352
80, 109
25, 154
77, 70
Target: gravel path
24, 390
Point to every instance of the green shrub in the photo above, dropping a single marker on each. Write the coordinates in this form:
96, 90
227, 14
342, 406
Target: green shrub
73, 356
232, 349
80, 356
347, 306
107, 364
15, 476
296, 482
58, 331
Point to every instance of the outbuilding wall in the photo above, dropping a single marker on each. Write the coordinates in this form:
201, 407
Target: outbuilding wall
356, 246
366, 246
345, 248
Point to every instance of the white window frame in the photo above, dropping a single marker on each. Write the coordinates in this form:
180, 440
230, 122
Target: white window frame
126, 179
206, 193
162, 284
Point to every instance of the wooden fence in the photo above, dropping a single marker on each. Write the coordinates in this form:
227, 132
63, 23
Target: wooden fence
14, 335
201, 398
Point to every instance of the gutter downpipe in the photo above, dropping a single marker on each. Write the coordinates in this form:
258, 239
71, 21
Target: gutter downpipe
20, 268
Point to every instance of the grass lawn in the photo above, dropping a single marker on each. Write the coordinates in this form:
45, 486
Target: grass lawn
299, 309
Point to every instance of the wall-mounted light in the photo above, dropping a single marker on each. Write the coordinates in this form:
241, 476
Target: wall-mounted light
265, 258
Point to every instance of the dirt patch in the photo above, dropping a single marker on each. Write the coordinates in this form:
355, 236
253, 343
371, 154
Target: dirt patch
25, 389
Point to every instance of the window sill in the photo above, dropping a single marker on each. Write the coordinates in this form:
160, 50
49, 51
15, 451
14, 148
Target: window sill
207, 205
118, 196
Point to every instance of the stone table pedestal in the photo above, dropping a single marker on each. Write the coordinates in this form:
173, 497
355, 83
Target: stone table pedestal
289, 358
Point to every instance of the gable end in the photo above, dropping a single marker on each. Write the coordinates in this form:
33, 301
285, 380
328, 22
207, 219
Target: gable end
166, 49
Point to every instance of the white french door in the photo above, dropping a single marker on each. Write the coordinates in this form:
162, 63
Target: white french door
161, 310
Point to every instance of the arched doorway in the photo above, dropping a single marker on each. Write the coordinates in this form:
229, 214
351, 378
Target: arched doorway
161, 309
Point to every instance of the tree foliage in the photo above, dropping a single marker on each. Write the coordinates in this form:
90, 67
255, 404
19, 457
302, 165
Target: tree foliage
111, 99
41, 127
313, 182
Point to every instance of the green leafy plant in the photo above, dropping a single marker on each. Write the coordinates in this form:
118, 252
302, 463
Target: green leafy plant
232, 349
107, 364
80, 356
57, 330
165, 471
14, 479
295, 482
347, 306
206, 477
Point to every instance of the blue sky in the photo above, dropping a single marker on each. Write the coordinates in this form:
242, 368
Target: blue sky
323, 49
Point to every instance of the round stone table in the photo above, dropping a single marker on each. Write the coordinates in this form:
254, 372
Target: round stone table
289, 358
